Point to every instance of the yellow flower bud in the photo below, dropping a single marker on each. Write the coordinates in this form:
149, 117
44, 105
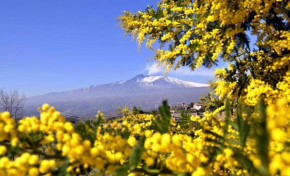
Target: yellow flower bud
4, 161
278, 135
156, 137
65, 149
33, 160
155, 147
3, 150
80, 150
148, 133
6, 115
175, 140
147, 143
165, 139
21, 128
78, 170
118, 156
8, 128
94, 151
25, 157
44, 166
33, 172
87, 144
199, 171
149, 161
44, 117
228, 152
51, 163
131, 141
70, 168
45, 107
14, 141
125, 123
286, 157
68, 127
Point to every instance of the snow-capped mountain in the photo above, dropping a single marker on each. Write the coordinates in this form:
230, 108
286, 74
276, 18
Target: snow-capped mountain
144, 91
145, 82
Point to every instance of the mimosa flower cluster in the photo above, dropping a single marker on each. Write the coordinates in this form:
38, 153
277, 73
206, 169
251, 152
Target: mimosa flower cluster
134, 145
252, 36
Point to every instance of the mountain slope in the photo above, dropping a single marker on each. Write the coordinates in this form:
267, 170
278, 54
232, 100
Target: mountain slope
144, 91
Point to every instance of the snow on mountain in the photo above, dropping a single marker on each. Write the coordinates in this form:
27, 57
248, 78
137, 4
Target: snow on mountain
150, 79
174, 81
167, 81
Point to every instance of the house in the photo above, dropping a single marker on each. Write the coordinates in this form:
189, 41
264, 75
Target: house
194, 108
197, 106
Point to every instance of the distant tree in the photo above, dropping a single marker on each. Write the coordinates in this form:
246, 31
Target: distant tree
13, 102
209, 102
125, 111
136, 110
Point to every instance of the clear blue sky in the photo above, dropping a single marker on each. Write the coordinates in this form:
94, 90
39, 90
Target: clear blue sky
58, 45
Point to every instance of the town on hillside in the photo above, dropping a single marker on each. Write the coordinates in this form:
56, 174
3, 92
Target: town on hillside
193, 108
176, 111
